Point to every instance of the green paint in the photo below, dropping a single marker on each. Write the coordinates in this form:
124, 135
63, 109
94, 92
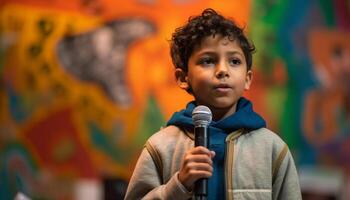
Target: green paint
152, 121
327, 7
276, 98
106, 144
266, 18
289, 124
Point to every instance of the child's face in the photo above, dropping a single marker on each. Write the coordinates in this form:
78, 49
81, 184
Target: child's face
217, 74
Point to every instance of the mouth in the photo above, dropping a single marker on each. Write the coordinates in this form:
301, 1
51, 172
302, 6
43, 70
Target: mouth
222, 87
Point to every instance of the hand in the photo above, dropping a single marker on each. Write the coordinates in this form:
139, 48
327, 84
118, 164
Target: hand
197, 164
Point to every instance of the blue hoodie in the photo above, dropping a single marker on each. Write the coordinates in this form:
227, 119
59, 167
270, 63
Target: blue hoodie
244, 117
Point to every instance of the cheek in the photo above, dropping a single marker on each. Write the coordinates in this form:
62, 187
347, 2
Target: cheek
200, 86
199, 78
241, 83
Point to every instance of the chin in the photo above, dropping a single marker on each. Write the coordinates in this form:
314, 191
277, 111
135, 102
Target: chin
219, 103
222, 105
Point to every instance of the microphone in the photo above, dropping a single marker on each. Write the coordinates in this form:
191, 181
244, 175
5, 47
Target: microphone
201, 117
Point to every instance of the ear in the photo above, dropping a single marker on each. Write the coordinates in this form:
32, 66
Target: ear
181, 79
248, 80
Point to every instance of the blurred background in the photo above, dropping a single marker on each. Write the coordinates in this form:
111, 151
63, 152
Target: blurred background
83, 84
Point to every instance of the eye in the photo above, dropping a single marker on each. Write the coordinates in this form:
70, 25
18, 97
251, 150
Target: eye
235, 61
206, 61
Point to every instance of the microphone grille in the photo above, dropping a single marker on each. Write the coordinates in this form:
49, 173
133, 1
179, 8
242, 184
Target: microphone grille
201, 116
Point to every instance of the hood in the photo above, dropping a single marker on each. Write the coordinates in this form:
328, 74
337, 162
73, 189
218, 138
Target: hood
244, 117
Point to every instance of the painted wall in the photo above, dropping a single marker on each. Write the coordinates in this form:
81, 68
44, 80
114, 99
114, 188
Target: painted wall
85, 82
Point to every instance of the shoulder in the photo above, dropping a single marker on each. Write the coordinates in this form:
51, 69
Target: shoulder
168, 136
264, 137
168, 133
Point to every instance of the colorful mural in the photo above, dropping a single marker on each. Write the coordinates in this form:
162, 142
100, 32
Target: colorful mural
85, 82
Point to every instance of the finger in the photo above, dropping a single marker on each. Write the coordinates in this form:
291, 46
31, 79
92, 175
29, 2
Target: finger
200, 167
197, 174
198, 158
200, 150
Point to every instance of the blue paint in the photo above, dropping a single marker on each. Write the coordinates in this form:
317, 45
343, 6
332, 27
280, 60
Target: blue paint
12, 181
17, 107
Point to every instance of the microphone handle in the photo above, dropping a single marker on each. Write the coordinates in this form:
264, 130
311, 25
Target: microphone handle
201, 139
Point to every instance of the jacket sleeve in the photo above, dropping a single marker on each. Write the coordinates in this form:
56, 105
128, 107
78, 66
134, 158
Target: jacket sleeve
286, 183
145, 182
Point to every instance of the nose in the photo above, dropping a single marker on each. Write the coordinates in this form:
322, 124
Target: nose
221, 70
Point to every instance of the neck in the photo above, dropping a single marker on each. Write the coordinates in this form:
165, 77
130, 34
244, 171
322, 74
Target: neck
222, 113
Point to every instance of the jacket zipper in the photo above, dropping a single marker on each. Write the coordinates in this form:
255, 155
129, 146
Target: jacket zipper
229, 162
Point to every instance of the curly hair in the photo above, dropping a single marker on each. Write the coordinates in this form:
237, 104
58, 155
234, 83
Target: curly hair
209, 23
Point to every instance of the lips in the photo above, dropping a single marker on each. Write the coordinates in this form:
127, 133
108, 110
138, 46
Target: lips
222, 87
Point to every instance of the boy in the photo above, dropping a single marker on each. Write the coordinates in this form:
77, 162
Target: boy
244, 160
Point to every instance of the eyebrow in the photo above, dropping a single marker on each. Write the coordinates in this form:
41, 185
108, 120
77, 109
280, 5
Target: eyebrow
213, 53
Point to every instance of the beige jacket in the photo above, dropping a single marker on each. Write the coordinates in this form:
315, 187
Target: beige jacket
258, 166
